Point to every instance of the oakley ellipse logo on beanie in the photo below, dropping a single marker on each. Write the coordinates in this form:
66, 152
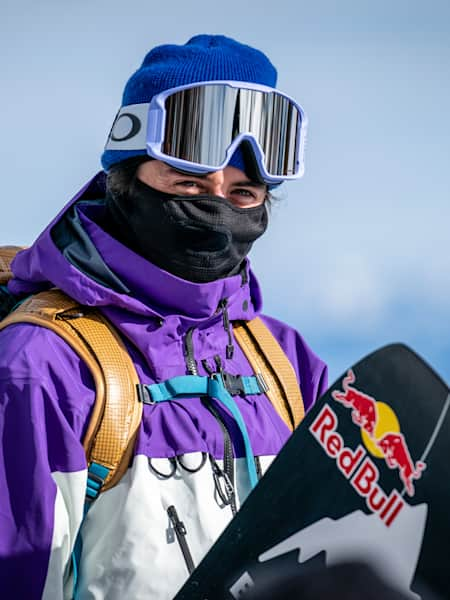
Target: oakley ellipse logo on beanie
133, 127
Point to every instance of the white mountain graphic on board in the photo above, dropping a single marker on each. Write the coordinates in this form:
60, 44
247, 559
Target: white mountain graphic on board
393, 551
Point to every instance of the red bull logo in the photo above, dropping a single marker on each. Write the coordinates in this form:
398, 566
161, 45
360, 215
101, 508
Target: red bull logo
382, 438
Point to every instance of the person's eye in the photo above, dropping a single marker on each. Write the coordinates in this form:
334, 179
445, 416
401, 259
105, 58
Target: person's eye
244, 193
188, 185
247, 197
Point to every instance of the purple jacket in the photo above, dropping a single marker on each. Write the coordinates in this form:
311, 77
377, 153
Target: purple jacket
46, 395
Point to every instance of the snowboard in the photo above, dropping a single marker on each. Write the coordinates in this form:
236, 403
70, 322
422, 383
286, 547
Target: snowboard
365, 476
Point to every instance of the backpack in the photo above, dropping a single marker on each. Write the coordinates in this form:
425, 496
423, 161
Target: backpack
117, 412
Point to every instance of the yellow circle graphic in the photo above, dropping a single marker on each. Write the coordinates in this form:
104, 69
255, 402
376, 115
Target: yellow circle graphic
386, 422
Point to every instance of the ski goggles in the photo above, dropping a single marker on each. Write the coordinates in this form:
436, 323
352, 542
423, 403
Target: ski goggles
198, 127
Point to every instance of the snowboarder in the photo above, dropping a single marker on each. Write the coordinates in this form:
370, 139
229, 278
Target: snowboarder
157, 242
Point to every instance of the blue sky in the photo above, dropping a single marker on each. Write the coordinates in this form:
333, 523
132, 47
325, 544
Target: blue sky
356, 255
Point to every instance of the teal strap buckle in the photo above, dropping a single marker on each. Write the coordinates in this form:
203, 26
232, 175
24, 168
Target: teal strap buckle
97, 475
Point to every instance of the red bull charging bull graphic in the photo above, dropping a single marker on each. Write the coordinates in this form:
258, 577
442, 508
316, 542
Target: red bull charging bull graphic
364, 407
382, 438
398, 457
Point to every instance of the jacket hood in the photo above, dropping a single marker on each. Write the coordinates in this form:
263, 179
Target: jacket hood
76, 255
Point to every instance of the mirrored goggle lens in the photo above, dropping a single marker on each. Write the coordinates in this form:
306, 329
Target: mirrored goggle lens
202, 122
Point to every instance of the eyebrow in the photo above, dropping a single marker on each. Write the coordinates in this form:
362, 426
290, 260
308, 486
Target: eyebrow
244, 182
250, 183
173, 171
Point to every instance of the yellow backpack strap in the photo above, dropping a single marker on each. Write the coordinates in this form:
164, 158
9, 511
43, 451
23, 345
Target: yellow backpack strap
266, 356
7, 253
117, 413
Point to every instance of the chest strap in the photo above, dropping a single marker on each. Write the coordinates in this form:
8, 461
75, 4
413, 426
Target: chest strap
188, 386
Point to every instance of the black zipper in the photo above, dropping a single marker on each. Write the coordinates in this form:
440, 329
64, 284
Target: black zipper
191, 363
180, 532
228, 495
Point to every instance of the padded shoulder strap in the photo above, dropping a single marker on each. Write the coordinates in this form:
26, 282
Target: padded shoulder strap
7, 253
117, 413
267, 357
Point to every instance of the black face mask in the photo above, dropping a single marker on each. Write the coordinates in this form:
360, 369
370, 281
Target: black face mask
198, 238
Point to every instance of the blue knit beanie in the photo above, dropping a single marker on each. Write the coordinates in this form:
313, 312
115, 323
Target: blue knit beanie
202, 58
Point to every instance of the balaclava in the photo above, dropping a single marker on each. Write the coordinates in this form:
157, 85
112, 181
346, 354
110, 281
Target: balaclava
199, 238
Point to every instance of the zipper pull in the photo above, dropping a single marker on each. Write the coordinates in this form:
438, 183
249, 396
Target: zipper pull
222, 483
227, 327
207, 368
180, 532
218, 363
